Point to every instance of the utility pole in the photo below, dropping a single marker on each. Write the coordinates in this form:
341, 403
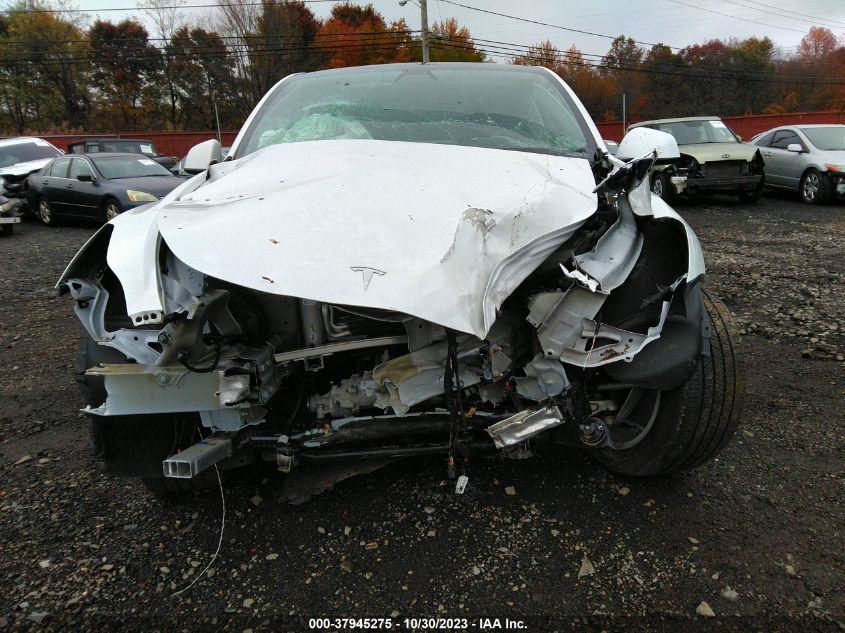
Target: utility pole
624, 113
424, 27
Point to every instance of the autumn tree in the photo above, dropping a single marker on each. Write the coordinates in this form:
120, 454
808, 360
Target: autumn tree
355, 35
816, 46
450, 42
126, 65
204, 79
167, 18
275, 38
620, 66
45, 65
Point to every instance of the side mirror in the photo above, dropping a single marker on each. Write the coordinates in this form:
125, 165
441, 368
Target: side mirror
612, 147
86, 178
642, 141
739, 138
201, 156
794, 147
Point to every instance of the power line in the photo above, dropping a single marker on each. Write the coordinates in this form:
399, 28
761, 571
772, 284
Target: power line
806, 15
814, 21
736, 17
138, 8
212, 35
554, 26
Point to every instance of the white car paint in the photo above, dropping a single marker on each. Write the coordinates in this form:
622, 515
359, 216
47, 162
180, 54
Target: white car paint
441, 232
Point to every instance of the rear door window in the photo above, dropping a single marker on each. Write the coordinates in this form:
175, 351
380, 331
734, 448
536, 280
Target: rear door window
60, 167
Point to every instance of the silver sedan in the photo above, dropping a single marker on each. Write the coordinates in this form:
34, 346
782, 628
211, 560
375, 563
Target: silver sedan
809, 159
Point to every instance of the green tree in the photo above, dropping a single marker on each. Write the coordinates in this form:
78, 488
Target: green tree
45, 66
275, 39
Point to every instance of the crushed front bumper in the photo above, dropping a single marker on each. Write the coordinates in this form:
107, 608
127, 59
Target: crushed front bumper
738, 183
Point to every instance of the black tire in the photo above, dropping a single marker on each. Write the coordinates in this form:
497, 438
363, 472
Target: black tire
7, 229
815, 187
694, 422
662, 187
111, 209
44, 212
135, 445
753, 195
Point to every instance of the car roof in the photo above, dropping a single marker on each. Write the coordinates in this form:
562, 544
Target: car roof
107, 155
21, 139
675, 120
98, 139
473, 66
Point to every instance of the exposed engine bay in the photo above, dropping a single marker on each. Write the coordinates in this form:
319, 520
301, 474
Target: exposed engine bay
610, 317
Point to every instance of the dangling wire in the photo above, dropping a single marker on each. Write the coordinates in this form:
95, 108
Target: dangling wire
457, 422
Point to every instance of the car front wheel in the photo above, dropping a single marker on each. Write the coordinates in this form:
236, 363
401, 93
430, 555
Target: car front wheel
663, 432
815, 187
112, 209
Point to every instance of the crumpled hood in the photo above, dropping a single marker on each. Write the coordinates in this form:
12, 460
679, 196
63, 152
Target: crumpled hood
22, 169
708, 152
441, 232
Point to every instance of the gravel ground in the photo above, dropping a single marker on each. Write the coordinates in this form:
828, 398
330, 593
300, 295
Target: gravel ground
554, 540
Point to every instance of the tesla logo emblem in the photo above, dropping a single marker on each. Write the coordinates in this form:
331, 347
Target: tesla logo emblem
367, 274
726, 155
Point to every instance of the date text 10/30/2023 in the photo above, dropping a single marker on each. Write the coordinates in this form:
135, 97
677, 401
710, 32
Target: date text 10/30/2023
417, 624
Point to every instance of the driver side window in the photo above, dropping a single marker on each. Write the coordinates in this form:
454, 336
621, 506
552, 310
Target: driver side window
783, 138
78, 167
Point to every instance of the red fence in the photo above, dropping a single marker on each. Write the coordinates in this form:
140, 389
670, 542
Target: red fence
167, 143
178, 143
746, 126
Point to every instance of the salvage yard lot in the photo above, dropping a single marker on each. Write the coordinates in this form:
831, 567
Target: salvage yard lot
757, 534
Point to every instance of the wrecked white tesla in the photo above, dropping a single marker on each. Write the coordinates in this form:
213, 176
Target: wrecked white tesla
400, 260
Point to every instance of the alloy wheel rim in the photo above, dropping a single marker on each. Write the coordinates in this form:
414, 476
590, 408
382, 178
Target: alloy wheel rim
44, 212
111, 212
811, 186
657, 187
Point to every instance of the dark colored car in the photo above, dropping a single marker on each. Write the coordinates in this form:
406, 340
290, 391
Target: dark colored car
97, 187
122, 145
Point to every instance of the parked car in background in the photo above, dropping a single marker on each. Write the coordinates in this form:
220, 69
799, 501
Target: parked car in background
8, 215
713, 160
809, 159
97, 187
122, 145
398, 260
20, 157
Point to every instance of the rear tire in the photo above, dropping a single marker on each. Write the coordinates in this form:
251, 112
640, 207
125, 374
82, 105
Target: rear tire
694, 422
45, 212
135, 445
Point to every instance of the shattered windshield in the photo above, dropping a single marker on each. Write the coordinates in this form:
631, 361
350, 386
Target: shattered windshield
483, 107
691, 132
25, 152
830, 139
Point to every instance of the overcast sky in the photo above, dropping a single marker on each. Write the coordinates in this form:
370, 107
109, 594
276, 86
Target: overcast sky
673, 22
